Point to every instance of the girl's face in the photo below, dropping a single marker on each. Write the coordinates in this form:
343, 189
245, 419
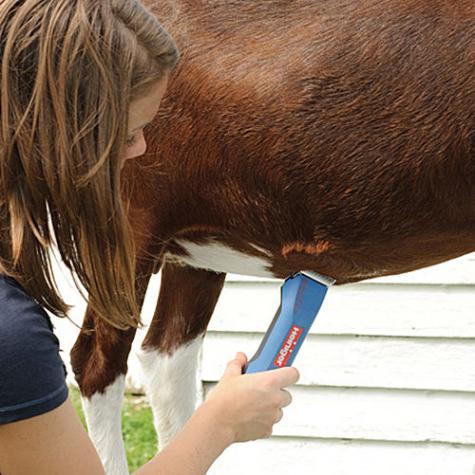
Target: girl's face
141, 113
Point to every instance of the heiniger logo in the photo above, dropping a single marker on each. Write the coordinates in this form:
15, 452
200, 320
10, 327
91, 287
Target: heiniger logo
288, 346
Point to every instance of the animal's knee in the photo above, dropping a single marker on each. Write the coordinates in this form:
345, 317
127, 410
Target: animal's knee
97, 363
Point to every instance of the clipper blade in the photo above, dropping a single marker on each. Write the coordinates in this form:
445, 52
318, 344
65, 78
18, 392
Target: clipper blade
322, 279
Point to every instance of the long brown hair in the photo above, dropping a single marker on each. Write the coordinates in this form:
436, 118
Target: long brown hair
69, 70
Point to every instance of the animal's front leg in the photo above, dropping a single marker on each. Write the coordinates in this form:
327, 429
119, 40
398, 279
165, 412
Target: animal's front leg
169, 354
103, 417
99, 362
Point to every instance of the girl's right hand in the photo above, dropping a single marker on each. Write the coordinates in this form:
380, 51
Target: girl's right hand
250, 404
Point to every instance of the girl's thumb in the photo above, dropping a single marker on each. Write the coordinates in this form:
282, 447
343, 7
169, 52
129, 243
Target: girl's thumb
236, 366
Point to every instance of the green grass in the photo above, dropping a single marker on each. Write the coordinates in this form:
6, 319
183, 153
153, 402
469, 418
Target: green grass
137, 428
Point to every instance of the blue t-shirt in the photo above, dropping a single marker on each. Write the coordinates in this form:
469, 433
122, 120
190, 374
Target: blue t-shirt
32, 373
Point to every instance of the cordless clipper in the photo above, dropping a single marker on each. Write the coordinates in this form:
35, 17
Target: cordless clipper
302, 295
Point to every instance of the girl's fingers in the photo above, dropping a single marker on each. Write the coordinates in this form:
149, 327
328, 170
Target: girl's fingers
286, 398
235, 366
285, 376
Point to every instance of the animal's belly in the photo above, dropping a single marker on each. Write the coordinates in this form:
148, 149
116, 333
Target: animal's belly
345, 262
218, 257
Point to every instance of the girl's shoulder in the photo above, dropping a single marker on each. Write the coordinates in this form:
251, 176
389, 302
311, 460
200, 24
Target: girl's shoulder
18, 310
32, 373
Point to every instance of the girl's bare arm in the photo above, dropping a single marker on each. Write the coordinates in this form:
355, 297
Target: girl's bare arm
240, 408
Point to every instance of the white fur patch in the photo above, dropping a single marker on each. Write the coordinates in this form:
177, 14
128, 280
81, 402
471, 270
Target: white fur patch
217, 257
172, 386
103, 417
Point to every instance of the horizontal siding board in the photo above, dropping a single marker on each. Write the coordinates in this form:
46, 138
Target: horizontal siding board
361, 309
361, 361
350, 413
291, 456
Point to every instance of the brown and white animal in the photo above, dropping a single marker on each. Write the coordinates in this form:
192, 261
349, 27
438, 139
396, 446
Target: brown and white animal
337, 136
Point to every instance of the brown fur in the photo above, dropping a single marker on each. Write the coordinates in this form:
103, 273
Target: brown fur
338, 136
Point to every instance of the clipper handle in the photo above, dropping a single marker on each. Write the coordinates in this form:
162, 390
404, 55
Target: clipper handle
301, 299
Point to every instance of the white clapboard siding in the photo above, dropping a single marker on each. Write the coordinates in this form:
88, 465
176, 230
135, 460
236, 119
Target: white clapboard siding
387, 376
367, 309
291, 456
382, 362
365, 414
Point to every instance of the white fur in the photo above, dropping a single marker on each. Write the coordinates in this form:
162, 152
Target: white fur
171, 384
103, 417
217, 257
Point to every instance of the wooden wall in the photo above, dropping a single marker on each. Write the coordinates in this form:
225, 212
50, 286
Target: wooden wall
387, 375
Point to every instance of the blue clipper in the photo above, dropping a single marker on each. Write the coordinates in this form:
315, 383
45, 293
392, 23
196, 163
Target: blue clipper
302, 295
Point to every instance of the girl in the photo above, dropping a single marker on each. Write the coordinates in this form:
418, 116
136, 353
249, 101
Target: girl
79, 80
